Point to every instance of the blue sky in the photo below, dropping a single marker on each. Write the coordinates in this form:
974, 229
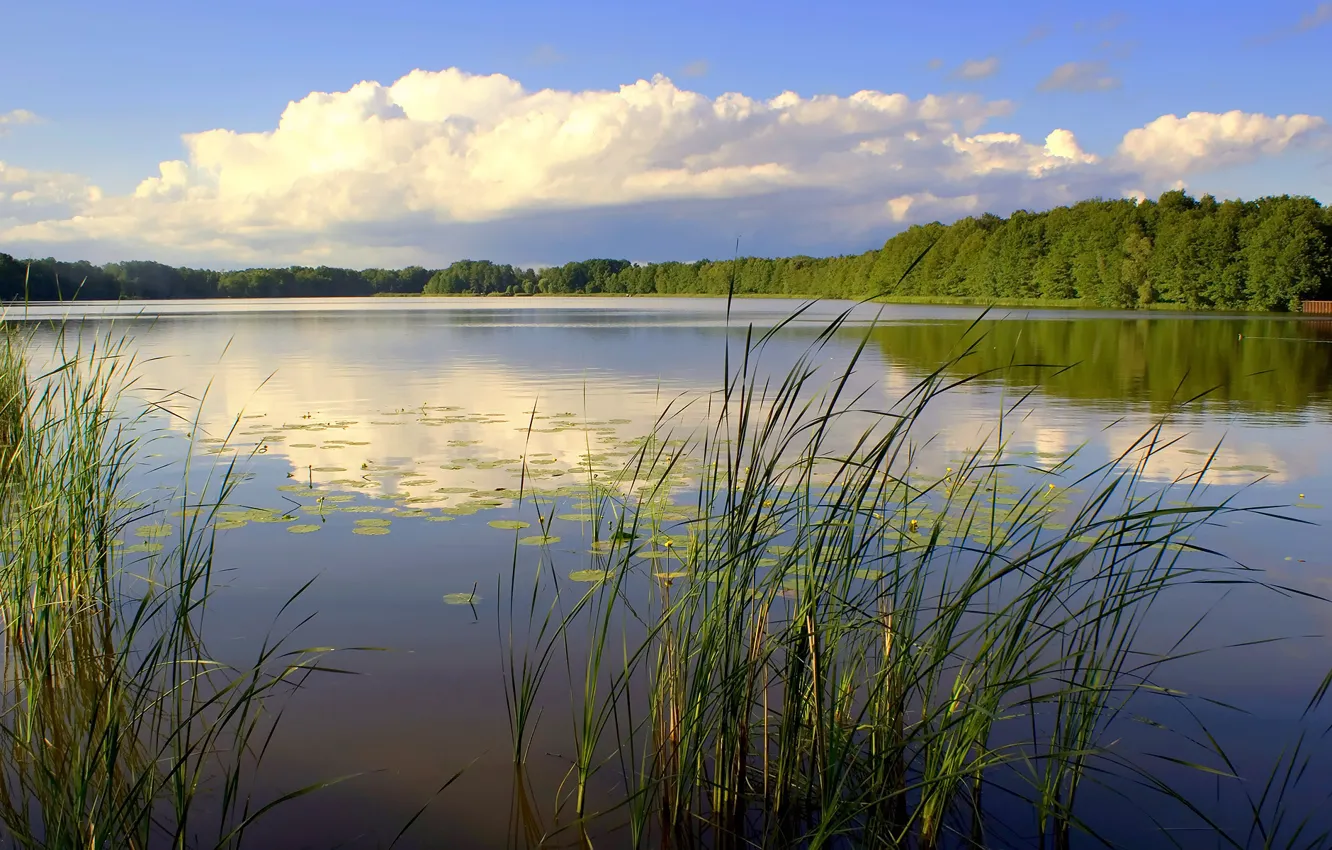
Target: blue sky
99, 94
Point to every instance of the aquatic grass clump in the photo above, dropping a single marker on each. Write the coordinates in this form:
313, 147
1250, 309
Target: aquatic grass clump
14, 392
117, 728
843, 649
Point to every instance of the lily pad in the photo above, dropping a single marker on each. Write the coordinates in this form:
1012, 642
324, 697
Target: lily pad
538, 540
370, 530
589, 575
230, 524
461, 599
143, 547
510, 524
153, 531
576, 517
302, 529
374, 523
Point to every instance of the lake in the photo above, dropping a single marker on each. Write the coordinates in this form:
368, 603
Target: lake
392, 436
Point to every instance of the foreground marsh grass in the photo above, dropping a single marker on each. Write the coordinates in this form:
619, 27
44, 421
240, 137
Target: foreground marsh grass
839, 649
117, 729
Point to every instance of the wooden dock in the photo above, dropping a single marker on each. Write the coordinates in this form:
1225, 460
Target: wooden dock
1316, 307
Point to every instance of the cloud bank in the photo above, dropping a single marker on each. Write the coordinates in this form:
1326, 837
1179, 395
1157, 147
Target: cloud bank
442, 165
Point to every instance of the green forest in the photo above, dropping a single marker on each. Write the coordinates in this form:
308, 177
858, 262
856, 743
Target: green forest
1195, 253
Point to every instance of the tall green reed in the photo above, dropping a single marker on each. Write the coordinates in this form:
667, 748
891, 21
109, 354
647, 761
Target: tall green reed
117, 728
844, 645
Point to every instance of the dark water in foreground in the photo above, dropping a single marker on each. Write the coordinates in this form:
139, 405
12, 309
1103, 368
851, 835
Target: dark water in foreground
413, 411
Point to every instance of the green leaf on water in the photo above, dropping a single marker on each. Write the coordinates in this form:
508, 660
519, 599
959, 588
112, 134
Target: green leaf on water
143, 547
370, 530
440, 518
152, 531
274, 517
292, 488
576, 517
510, 524
589, 575
374, 523
302, 529
538, 540
229, 524
674, 574
461, 598
330, 469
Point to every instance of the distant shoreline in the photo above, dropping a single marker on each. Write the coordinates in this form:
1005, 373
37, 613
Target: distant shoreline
1071, 304
921, 300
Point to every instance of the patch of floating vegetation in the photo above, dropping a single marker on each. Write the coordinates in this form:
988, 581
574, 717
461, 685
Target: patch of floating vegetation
461, 599
370, 530
142, 548
510, 524
589, 575
302, 529
153, 531
538, 540
373, 523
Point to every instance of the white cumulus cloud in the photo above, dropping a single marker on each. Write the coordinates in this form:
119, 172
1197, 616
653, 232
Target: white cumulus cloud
1209, 139
444, 164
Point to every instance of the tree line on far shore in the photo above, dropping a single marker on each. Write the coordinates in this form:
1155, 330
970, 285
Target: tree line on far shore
1199, 253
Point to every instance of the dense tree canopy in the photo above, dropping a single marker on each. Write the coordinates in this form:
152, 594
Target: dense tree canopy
1268, 254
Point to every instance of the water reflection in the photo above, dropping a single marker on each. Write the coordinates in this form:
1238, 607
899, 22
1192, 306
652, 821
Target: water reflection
436, 411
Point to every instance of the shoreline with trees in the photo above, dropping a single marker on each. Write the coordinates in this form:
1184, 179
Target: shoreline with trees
1176, 252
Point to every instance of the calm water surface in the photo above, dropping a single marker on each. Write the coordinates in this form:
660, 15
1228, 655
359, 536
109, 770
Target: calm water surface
416, 409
